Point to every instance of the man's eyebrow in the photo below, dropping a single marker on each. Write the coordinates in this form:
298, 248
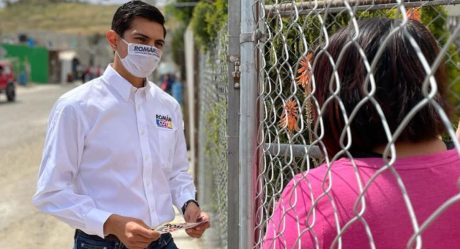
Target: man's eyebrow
140, 34
147, 37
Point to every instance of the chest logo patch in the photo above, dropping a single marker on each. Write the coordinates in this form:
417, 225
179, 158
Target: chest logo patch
164, 121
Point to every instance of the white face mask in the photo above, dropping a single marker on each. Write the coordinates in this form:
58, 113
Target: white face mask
141, 60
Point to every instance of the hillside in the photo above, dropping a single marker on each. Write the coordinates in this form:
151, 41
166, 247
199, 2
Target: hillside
76, 18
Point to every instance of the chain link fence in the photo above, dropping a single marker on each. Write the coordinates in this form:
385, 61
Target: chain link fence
289, 37
212, 136
281, 132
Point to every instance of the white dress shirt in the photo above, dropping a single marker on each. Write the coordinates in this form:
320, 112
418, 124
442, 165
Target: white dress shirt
114, 149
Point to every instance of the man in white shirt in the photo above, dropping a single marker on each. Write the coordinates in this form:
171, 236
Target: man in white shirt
115, 160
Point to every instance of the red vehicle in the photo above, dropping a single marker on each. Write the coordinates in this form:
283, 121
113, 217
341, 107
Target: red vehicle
7, 80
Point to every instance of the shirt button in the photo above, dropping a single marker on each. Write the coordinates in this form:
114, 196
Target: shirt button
142, 132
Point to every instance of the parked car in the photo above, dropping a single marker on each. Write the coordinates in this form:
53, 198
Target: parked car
7, 81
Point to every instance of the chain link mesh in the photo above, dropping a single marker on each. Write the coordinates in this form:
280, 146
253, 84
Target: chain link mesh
213, 135
290, 33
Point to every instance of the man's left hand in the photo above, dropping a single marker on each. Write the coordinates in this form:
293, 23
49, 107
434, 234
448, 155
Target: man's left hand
193, 214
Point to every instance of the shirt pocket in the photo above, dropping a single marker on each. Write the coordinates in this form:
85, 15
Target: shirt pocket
166, 143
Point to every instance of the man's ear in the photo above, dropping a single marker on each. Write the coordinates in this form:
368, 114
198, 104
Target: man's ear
112, 38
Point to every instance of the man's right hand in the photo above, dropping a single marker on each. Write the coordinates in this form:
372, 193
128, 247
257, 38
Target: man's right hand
133, 233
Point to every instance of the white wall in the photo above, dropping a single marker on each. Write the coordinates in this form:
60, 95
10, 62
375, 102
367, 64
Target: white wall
190, 85
453, 10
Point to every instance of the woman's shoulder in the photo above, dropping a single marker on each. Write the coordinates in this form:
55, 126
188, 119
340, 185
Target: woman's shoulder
320, 171
315, 180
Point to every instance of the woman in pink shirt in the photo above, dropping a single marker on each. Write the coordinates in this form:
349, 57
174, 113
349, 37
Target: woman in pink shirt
363, 197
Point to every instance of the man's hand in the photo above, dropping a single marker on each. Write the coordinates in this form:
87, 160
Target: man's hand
193, 214
133, 233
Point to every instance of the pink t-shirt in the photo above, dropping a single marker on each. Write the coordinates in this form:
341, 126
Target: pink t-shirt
299, 222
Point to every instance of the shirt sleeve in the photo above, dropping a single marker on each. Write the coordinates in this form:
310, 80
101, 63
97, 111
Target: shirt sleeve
62, 153
181, 181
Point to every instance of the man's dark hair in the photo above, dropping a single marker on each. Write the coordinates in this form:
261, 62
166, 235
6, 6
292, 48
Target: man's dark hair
399, 76
125, 14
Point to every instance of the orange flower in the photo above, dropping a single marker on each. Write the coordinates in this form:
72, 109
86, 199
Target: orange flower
413, 14
304, 71
289, 116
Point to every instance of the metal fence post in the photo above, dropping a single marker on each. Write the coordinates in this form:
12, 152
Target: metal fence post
248, 125
234, 20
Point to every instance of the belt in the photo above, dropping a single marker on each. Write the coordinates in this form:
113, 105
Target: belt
110, 237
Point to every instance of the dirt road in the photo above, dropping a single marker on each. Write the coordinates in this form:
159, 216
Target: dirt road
22, 131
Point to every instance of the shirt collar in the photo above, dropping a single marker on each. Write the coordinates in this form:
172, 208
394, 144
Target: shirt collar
121, 85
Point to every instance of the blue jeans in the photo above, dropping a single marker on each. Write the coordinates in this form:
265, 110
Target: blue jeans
85, 241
